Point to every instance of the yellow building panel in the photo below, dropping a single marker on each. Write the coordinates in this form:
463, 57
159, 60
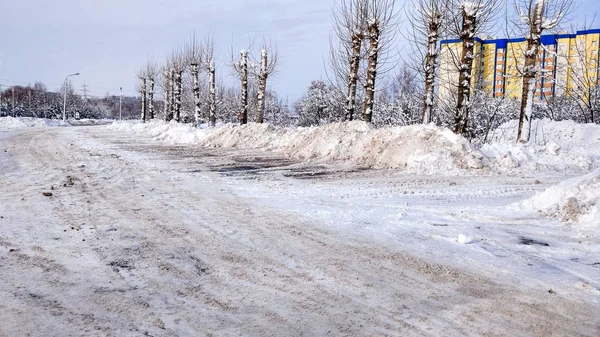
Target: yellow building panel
569, 62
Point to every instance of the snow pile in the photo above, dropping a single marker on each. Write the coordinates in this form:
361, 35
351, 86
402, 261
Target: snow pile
25, 122
28, 122
558, 146
576, 200
415, 148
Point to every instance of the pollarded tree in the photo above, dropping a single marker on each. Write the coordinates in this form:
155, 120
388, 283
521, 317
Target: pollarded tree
536, 16
178, 65
471, 17
209, 64
194, 55
167, 85
268, 63
350, 30
381, 23
142, 76
151, 73
241, 69
428, 21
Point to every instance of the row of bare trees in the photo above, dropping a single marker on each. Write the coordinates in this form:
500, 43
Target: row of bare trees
362, 46
364, 30
194, 59
431, 19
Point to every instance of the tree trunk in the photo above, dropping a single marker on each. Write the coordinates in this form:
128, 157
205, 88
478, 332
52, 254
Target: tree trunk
167, 97
467, 37
353, 77
172, 96
196, 89
530, 71
212, 94
243, 118
371, 70
143, 94
430, 65
177, 93
151, 99
262, 87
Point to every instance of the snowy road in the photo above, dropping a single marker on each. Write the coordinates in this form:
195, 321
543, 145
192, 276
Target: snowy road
144, 238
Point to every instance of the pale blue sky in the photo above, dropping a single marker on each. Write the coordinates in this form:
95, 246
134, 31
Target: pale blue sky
107, 40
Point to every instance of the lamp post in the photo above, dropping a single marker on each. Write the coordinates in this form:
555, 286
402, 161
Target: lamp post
65, 100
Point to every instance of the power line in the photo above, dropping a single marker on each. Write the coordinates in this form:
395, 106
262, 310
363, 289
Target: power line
85, 90
9, 85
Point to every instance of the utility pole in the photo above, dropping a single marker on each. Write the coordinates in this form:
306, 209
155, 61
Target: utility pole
13, 101
121, 103
84, 91
65, 98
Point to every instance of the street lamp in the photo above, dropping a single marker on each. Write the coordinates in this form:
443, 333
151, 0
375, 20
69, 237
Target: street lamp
65, 101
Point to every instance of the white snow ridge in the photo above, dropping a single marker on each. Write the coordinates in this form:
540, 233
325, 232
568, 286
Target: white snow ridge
574, 200
417, 148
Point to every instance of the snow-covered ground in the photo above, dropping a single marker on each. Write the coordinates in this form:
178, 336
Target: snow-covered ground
24, 122
193, 232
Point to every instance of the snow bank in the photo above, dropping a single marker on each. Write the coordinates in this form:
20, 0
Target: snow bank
415, 148
575, 200
27, 122
558, 146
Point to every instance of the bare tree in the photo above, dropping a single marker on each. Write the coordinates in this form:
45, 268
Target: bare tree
471, 18
381, 21
193, 54
241, 68
151, 73
345, 52
268, 64
142, 76
178, 65
536, 16
209, 64
167, 92
428, 20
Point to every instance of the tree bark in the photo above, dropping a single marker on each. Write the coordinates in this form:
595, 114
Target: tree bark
151, 99
466, 66
530, 71
430, 65
196, 90
177, 95
243, 118
262, 86
167, 92
353, 77
212, 93
143, 94
371, 70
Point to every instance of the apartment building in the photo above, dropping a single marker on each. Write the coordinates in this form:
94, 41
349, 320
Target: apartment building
569, 64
